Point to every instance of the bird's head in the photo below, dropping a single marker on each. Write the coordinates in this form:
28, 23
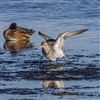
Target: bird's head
44, 45
13, 26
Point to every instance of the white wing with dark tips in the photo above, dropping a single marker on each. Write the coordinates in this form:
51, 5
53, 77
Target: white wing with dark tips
60, 39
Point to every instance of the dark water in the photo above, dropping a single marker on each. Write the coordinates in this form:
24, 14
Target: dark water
25, 74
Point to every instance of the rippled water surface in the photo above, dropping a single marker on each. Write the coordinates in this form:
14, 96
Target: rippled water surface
25, 74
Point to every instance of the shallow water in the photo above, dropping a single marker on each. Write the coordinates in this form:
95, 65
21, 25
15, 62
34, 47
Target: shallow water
25, 74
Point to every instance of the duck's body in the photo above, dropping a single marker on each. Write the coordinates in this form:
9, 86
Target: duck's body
14, 33
53, 48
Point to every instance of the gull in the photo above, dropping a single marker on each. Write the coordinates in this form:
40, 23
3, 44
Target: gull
53, 48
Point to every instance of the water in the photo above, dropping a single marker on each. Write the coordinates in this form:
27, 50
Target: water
25, 73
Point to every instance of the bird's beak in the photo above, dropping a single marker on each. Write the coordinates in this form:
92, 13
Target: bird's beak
41, 46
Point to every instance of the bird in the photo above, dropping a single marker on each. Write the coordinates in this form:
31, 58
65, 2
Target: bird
14, 33
53, 48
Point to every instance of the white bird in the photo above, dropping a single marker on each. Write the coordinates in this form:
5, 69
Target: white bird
53, 48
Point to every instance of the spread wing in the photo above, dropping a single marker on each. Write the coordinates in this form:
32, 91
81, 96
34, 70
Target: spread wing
46, 37
60, 39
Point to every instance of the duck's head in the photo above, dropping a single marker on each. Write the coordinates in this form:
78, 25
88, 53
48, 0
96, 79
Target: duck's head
13, 26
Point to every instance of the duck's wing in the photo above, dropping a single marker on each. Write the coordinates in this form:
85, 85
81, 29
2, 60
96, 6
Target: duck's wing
45, 37
26, 30
60, 39
23, 29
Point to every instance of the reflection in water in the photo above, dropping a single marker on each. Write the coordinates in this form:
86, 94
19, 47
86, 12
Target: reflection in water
52, 66
16, 45
53, 84
53, 78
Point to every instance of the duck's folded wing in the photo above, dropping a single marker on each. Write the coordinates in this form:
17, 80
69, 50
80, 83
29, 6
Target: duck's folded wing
45, 37
60, 39
23, 29
26, 30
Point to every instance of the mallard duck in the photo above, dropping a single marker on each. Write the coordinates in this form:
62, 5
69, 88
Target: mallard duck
15, 33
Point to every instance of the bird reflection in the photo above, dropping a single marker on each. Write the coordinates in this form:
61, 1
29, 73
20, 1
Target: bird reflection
53, 84
15, 46
55, 72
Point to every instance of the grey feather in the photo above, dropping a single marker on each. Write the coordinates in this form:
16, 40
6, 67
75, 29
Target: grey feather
46, 37
60, 39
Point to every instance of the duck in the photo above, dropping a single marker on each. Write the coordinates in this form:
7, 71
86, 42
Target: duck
15, 33
53, 48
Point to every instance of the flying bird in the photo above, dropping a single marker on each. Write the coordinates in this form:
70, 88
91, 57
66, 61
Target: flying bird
53, 48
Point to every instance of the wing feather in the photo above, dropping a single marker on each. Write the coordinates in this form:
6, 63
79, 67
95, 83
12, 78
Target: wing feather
60, 39
46, 37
